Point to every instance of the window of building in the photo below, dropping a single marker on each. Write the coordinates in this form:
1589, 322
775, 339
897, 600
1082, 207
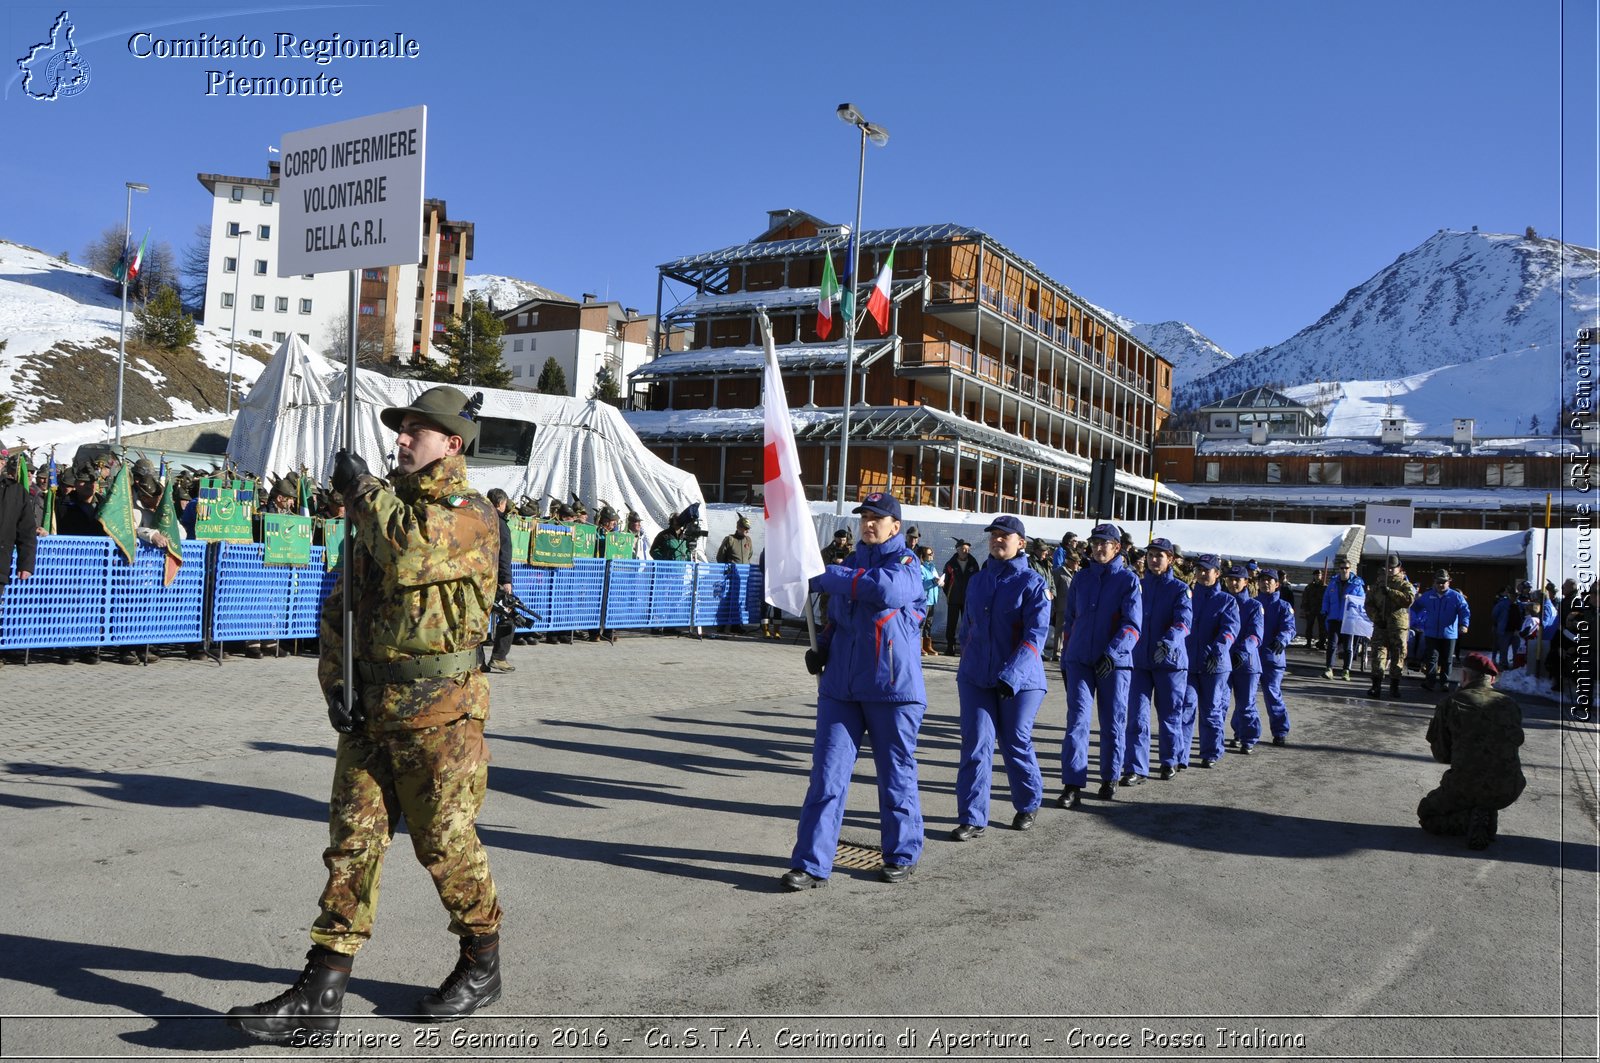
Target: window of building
1423, 473
1213, 471
266, 196
279, 337
368, 310
229, 265
255, 334
308, 276
522, 320
281, 304
258, 302
261, 267
516, 370
237, 195
305, 306
533, 343
1325, 472
372, 275
305, 337
227, 300
438, 326
233, 228
263, 232
1504, 474
1274, 472
516, 345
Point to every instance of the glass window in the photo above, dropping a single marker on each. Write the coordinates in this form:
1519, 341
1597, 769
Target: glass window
279, 337
263, 232
229, 265
533, 344
1274, 472
516, 345
227, 300
255, 334
1213, 471
502, 441
237, 195
261, 267
281, 304
258, 302
1413, 473
368, 310
266, 196
305, 306
1325, 472
233, 228
305, 337
308, 276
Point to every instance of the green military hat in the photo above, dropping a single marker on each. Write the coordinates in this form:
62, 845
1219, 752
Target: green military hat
444, 407
288, 486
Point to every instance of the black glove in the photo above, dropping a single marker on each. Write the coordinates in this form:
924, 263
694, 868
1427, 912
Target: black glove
1105, 666
815, 662
1162, 654
347, 468
1212, 664
345, 722
1278, 648
1005, 689
1238, 660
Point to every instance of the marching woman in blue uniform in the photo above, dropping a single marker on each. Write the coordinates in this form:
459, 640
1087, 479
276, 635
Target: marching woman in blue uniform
1216, 625
1101, 626
1246, 675
1160, 667
870, 659
1001, 680
1277, 635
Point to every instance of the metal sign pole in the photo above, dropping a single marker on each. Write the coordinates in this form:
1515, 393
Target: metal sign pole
346, 551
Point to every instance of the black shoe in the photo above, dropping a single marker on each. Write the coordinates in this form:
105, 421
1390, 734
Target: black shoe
1131, 780
896, 872
313, 1003
1024, 820
1230, 743
1244, 750
1107, 791
1166, 772
1280, 740
1068, 798
797, 880
127, 657
1394, 688
1481, 825
474, 984
1205, 763
1375, 691
1181, 767
966, 832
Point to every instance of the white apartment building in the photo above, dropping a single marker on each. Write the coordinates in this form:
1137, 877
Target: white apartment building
244, 291
582, 337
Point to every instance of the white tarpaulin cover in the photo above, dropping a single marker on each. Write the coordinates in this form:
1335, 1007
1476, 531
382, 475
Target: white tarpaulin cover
294, 417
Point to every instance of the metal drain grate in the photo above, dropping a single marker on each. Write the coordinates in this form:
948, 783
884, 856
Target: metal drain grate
858, 858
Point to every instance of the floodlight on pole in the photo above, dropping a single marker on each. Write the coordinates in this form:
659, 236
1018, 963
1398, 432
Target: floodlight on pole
122, 324
879, 136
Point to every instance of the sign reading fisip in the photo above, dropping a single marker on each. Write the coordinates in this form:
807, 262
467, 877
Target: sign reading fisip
1394, 521
352, 194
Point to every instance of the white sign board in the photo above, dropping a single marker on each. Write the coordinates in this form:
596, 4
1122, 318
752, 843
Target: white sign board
351, 194
1389, 520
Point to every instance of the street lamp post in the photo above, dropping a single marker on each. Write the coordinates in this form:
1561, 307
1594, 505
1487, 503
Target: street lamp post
122, 325
879, 136
233, 332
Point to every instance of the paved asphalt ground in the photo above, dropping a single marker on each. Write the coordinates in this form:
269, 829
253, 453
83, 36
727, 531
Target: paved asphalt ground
163, 828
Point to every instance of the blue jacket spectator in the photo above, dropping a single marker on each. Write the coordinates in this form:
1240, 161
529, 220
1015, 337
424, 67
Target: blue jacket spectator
1445, 614
1338, 588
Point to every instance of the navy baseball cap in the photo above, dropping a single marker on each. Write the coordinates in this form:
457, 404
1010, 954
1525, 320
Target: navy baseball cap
1106, 531
1164, 545
1237, 570
1268, 573
1207, 561
881, 503
1007, 523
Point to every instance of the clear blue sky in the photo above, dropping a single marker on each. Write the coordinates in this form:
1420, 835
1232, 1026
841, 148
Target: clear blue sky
1236, 164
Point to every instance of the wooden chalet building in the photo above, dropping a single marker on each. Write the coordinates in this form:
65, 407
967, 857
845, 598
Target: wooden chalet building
993, 389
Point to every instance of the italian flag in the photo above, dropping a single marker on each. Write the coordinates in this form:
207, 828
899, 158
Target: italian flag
878, 301
825, 297
128, 269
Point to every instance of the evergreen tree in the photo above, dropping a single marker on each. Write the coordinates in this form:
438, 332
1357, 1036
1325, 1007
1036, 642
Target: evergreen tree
552, 379
162, 323
1533, 424
471, 345
8, 411
606, 388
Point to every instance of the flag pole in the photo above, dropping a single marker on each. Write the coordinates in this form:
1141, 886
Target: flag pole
346, 561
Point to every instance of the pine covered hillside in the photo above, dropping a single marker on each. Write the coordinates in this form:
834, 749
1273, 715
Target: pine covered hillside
58, 323
503, 293
1457, 298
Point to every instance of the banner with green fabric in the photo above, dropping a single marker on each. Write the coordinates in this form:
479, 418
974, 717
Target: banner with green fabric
619, 544
116, 514
286, 539
223, 509
332, 542
521, 536
583, 539
552, 546
167, 524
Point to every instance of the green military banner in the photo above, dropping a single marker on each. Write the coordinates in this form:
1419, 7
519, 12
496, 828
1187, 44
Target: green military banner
619, 544
222, 510
552, 546
116, 515
583, 539
286, 538
521, 536
332, 542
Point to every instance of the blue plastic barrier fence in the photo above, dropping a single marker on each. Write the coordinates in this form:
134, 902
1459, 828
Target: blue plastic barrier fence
723, 595
252, 600
83, 594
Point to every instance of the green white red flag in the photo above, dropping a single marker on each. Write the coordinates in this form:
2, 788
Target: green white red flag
878, 301
825, 297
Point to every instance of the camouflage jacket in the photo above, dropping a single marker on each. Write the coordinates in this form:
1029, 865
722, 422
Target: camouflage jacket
1389, 604
424, 573
1477, 731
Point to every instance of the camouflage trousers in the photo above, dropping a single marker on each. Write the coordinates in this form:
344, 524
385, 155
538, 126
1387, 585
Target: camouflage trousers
1388, 649
435, 778
1448, 808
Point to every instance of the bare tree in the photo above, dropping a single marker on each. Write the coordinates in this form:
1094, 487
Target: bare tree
155, 270
194, 269
370, 346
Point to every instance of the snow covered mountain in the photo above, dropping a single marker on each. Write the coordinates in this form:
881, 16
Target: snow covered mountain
1456, 299
59, 321
1193, 354
503, 293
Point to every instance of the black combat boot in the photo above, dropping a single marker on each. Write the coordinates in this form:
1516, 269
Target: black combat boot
1394, 686
312, 1004
475, 983
1376, 690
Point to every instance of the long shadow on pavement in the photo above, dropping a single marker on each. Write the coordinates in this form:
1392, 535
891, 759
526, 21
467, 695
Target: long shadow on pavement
163, 791
660, 859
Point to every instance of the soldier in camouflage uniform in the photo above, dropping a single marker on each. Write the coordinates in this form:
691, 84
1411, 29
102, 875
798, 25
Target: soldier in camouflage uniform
412, 745
1476, 731
1389, 608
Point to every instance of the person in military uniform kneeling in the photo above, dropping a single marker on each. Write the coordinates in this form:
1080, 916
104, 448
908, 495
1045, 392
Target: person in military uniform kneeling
1477, 731
411, 741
